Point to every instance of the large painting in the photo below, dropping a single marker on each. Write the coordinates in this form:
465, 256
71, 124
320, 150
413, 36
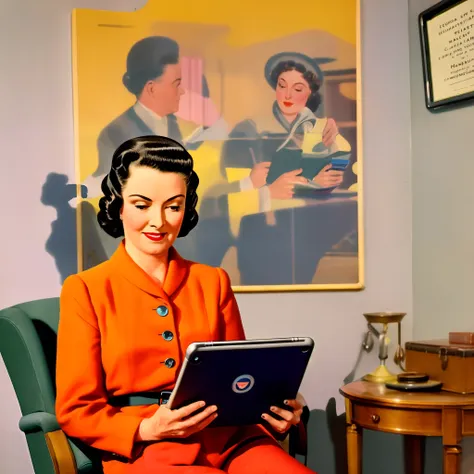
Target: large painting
265, 96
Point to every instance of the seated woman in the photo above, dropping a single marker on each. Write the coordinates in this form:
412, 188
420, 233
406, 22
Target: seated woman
126, 323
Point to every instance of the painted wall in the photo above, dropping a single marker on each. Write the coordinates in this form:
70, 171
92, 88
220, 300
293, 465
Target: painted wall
37, 133
443, 254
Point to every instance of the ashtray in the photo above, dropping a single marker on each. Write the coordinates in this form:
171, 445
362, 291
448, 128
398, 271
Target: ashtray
414, 382
412, 377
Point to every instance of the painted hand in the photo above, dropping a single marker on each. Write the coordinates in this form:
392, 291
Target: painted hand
259, 174
330, 132
327, 178
283, 187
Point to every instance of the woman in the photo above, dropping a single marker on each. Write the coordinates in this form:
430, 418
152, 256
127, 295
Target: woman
296, 79
125, 324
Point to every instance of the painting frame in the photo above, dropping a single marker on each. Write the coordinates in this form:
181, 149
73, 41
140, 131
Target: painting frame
257, 288
432, 46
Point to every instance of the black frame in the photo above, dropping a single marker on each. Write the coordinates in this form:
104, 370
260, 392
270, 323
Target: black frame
423, 18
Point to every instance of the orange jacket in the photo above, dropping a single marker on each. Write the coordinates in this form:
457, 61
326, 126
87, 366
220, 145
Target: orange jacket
117, 328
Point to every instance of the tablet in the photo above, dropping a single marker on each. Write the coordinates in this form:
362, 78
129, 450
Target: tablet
242, 378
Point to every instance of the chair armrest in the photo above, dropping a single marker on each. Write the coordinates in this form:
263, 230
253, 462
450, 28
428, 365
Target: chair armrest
64, 452
39, 421
60, 451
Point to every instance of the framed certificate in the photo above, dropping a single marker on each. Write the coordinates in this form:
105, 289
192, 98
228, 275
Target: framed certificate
447, 46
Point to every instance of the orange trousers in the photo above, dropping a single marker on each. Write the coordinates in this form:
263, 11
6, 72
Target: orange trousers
213, 452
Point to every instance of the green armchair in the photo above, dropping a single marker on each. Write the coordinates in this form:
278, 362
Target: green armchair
28, 347
28, 334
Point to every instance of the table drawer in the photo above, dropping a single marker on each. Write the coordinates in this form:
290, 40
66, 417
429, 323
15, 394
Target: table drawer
398, 420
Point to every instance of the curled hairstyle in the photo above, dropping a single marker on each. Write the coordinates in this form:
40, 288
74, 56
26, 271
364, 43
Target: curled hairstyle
314, 100
159, 153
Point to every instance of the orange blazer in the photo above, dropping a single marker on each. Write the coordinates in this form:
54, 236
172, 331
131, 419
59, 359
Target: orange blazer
120, 332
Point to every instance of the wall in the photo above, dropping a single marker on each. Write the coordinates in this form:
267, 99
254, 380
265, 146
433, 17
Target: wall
36, 93
36, 131
443, 253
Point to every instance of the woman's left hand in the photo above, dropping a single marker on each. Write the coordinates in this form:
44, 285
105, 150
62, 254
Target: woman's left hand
330, 132
289, 418
328, 178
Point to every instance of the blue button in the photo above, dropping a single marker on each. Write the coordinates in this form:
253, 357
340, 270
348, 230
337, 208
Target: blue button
170, 362
162, 311
168, 336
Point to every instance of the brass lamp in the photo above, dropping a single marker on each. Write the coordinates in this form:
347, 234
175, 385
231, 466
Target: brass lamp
381, 374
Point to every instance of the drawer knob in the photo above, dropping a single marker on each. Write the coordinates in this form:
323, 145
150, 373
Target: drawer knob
375, 418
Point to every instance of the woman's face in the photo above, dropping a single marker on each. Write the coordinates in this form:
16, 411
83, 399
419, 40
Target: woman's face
152, 211
292, 92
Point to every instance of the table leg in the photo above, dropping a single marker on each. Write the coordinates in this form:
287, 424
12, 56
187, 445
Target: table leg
414, 454
452, 451
452, 459
354, 449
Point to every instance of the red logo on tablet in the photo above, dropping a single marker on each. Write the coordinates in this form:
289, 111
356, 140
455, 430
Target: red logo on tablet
243, 383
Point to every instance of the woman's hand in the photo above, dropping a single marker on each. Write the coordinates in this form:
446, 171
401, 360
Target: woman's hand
180, 423
283, 186
259, 174
330, 132
328, 177
289, 418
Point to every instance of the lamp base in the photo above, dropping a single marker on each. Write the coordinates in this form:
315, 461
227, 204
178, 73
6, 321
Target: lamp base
380, 375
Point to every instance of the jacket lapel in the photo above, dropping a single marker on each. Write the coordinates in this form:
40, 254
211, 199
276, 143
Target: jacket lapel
177, 272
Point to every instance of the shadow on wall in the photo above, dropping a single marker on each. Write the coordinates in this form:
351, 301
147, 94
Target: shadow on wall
57, 192
383, 453
327, 446
327, 441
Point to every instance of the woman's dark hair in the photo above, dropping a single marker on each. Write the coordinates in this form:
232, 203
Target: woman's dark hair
159, 153
314, 100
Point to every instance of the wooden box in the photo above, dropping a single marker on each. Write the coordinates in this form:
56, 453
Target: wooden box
452, 364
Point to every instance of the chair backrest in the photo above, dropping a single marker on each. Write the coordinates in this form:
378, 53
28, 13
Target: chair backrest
28, 334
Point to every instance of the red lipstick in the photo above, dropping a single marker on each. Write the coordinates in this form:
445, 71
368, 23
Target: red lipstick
155, 236
287, 104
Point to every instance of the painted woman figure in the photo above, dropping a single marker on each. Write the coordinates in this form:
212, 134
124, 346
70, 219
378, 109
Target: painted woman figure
296, 79
125, 325
288, 154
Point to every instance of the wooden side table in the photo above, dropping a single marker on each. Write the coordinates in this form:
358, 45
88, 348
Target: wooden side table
413, 414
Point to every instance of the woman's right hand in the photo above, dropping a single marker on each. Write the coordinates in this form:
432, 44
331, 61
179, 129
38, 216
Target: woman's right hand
283, 186
180, 423
259, 174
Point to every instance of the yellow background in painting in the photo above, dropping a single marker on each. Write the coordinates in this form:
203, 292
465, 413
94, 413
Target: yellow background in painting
102, 39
